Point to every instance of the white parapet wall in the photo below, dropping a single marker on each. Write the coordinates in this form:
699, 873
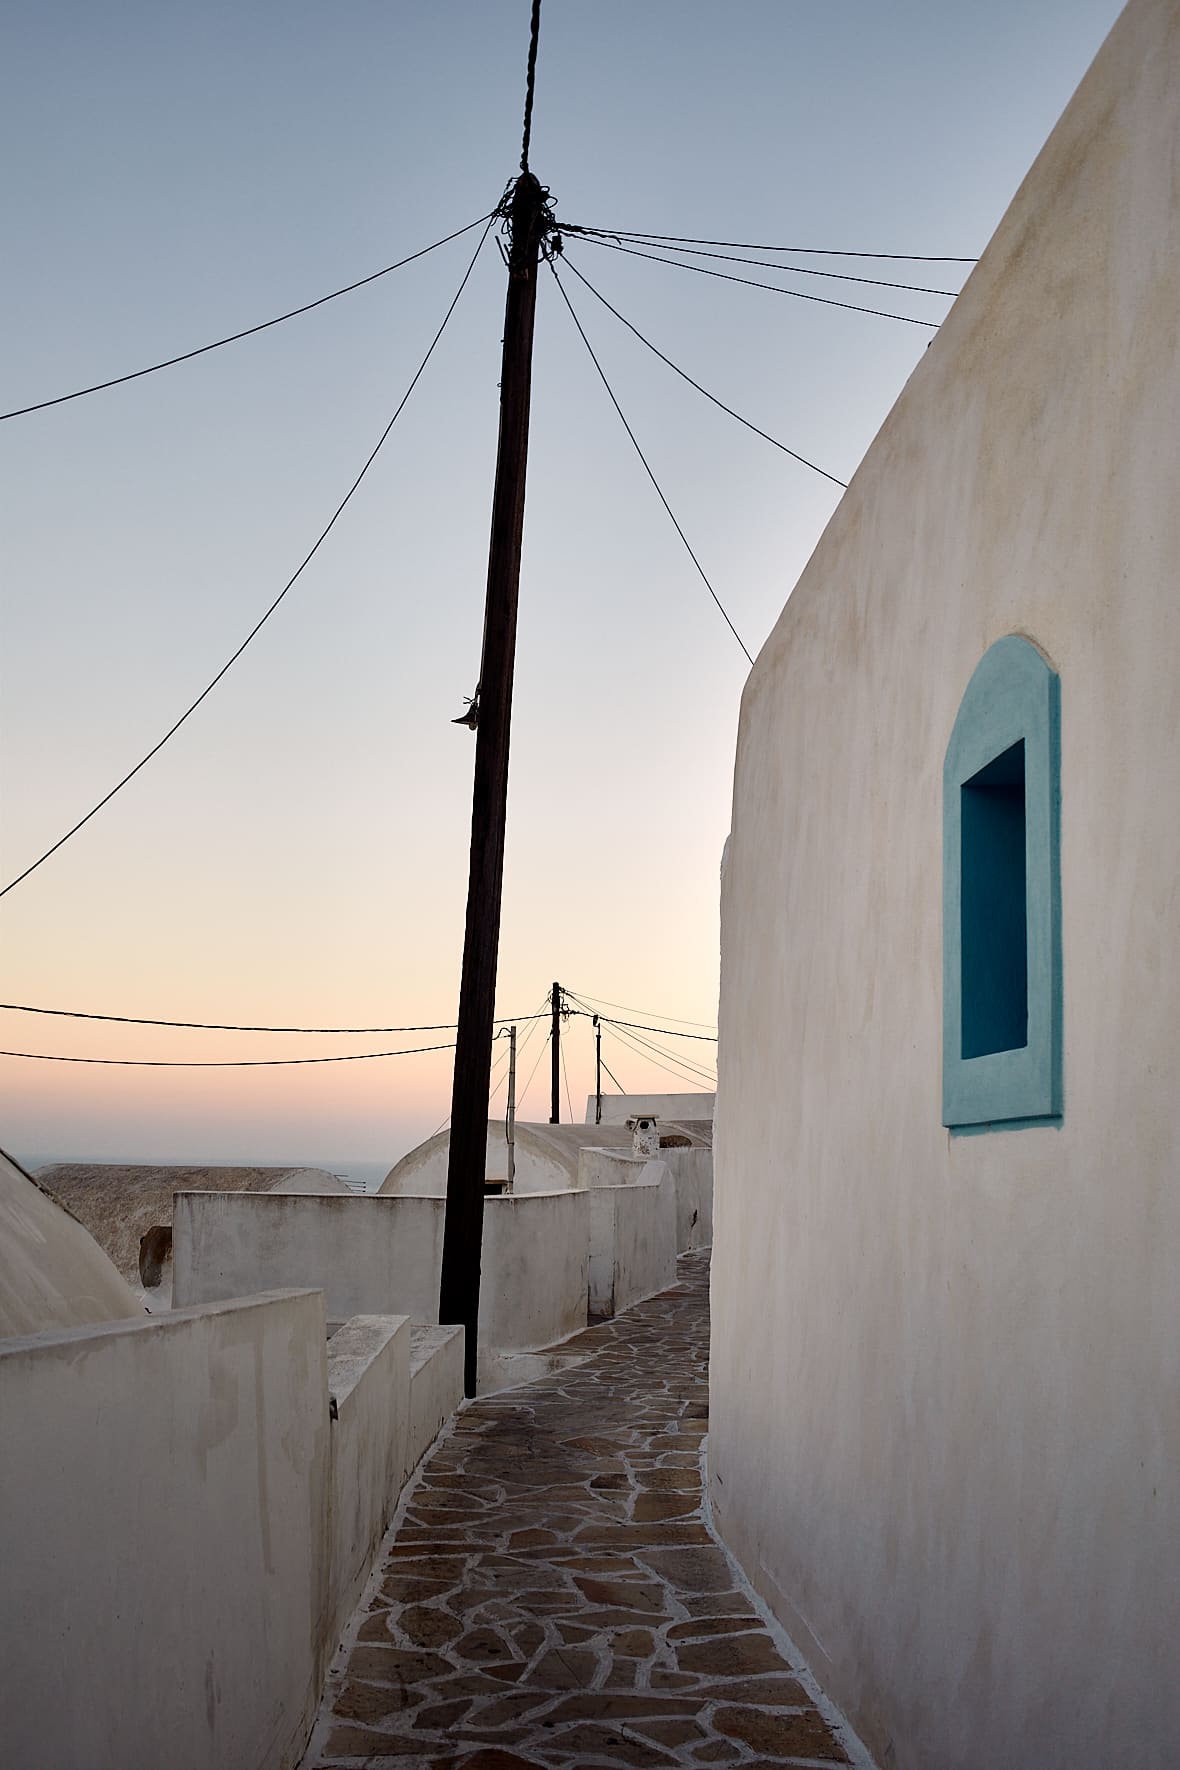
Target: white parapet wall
164, 1539
692, 1181
383, 1255
369, 1385
436, 1387
692, 1172
632, 1232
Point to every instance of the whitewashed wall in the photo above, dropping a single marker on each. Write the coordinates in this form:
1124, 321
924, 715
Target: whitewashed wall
944, 1437
632, 1239
369, 1380
383, 1255
163, 1539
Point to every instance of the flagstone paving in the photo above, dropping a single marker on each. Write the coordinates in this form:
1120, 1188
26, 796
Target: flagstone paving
553, 1596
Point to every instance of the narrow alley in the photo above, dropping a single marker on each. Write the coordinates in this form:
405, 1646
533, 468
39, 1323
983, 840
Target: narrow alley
553, 1595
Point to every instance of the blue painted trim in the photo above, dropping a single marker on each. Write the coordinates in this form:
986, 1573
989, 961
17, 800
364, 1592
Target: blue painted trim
1012, 696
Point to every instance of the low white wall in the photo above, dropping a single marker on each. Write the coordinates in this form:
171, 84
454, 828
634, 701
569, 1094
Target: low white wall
436, 1387
535, 1259
163, 1539
382, 1255
632, 1240
692, 1171
369, 1381
692, 1178
369, 1255
611, 1167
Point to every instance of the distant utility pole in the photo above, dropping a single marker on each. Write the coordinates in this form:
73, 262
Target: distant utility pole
510, 1124
597, 1071
529, 220
555, 1058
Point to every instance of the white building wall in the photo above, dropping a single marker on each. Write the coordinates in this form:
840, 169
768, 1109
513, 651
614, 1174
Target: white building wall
679, 1108
944, 1437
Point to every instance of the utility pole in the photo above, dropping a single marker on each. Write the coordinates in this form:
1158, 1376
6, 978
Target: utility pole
597, 1071
511, 1125
529, 220
555, 1059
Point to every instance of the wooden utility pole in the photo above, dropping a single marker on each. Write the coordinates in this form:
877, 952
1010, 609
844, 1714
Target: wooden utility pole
555, 1059
528, 220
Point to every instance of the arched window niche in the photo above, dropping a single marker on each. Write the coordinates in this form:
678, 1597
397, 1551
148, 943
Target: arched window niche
1001, 905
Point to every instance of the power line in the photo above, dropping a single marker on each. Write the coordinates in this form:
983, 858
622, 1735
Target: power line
681, 1075
231, 1026
229, 1063
233, 337
688, 1064
623, 233
647, 469
624, 1008
307, 558
684, 1062
566, 1077
799, 270
638, 1026
726, 276
532, 1072
795, 456
614, 1078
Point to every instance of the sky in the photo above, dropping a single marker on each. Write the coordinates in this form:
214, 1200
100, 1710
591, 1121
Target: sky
297, 854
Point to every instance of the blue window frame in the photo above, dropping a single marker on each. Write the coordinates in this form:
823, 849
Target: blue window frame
1001, 906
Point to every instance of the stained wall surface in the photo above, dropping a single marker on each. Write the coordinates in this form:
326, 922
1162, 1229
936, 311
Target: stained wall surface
944, 1438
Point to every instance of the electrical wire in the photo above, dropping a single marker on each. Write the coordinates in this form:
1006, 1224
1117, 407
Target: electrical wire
685, 376
726, 276
647, 469
638, 1026
685, 1063
680, 1075
614, 1078
229, 1026
566, 1076
799, 251
228, 1063
533, 1020
307, 558
544, 1044
623, 1008
233, 337
799, 270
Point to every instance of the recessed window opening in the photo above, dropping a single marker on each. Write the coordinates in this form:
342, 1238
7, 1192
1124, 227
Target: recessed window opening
994, 907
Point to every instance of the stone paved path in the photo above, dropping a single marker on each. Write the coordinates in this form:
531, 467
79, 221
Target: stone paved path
553, 1596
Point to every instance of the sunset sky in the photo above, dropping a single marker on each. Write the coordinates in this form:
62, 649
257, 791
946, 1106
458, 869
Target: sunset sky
298, 853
